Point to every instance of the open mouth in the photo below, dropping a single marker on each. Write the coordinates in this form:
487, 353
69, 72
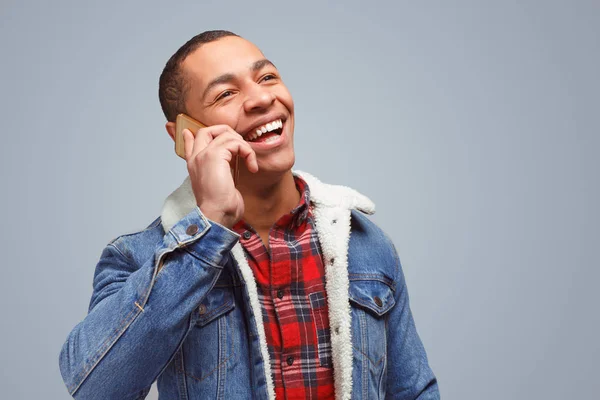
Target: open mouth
265, 133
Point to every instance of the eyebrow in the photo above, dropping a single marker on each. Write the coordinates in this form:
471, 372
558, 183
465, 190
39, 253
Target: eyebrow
226, 78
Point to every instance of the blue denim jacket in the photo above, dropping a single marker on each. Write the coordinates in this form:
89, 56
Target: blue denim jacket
177, 303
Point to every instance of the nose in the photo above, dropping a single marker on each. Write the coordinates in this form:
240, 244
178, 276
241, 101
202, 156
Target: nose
259, 98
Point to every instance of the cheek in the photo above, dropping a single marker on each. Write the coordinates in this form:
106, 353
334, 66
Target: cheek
226, 115
286, 98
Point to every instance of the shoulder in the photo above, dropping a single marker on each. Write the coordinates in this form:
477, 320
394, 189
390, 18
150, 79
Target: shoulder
139, 245
370, 250
365, 231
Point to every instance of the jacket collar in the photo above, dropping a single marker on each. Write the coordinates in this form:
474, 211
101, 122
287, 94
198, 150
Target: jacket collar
179, 203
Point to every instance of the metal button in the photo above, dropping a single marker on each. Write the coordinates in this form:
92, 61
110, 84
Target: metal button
247, 235
337, 330
280, 294
192, 230
378, 301
290, 360
332, 261
202, 309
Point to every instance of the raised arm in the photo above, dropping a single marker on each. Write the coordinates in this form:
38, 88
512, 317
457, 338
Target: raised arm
140, 314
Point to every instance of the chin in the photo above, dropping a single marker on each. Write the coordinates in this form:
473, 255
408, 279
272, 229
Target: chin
277, 163
278, 169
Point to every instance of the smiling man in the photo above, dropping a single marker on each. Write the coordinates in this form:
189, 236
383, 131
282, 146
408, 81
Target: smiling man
277, 287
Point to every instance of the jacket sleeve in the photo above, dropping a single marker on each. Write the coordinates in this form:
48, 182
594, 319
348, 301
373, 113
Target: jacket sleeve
140, 315
409, 375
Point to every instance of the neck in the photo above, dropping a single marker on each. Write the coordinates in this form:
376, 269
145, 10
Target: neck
268, 198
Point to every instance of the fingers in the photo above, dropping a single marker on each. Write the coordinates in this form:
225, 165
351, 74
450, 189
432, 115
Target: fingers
235, 145
205, 136
244, 150
219, 136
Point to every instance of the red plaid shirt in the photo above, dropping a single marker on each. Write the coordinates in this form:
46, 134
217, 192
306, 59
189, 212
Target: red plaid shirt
291, 291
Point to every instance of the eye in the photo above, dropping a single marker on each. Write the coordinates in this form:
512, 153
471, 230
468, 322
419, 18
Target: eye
268, 77
226, 93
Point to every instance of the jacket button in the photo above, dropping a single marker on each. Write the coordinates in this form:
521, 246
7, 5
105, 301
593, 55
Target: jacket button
202, 309
192, 230
290, 360
378, 301
280, 294
247, 235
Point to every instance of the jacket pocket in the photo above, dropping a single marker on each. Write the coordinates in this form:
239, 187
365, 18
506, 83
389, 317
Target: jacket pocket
209, 345
371, 298
218, 302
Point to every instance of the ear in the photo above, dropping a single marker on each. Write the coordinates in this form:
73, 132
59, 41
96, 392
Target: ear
170, 126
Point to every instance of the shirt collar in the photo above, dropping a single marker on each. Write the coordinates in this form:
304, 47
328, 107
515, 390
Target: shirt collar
300, 212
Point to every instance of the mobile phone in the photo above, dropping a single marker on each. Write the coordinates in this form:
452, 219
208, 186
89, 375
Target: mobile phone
184, 121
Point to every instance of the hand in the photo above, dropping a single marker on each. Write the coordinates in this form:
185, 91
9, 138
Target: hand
208, 157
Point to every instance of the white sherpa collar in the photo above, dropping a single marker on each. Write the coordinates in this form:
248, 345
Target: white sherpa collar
182, 200
332, 206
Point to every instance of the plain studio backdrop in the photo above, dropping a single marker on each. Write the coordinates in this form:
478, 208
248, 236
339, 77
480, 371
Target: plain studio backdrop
472, 125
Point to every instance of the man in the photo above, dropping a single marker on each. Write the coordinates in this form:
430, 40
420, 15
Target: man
278, 287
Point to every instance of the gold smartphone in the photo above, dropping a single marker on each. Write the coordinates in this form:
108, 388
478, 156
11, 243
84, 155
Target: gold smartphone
184, 121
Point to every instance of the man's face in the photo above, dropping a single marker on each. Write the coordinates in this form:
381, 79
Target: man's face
232, 83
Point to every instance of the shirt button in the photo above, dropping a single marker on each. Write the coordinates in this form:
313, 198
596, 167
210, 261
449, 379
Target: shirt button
202, 309
280, 294
378, 301
192, 230
290, 360
247, 235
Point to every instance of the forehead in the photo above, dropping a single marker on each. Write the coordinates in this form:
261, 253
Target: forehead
228, 55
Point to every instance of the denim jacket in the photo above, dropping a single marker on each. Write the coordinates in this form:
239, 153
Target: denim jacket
177, 303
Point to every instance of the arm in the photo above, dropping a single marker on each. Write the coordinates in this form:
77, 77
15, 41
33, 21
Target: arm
409, 375
140, 315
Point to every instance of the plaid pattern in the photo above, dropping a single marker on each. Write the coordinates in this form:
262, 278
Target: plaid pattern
291, 291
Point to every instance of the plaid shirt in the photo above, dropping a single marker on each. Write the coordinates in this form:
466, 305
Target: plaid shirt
291, 291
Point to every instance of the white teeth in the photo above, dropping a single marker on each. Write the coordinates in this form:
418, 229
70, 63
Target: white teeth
271, 139
271, 126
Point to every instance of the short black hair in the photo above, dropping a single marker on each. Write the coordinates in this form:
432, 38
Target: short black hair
173, 84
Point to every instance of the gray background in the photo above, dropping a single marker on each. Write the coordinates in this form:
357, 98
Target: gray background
472, 125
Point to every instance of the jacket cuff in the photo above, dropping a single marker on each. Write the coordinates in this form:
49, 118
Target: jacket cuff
202, 237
